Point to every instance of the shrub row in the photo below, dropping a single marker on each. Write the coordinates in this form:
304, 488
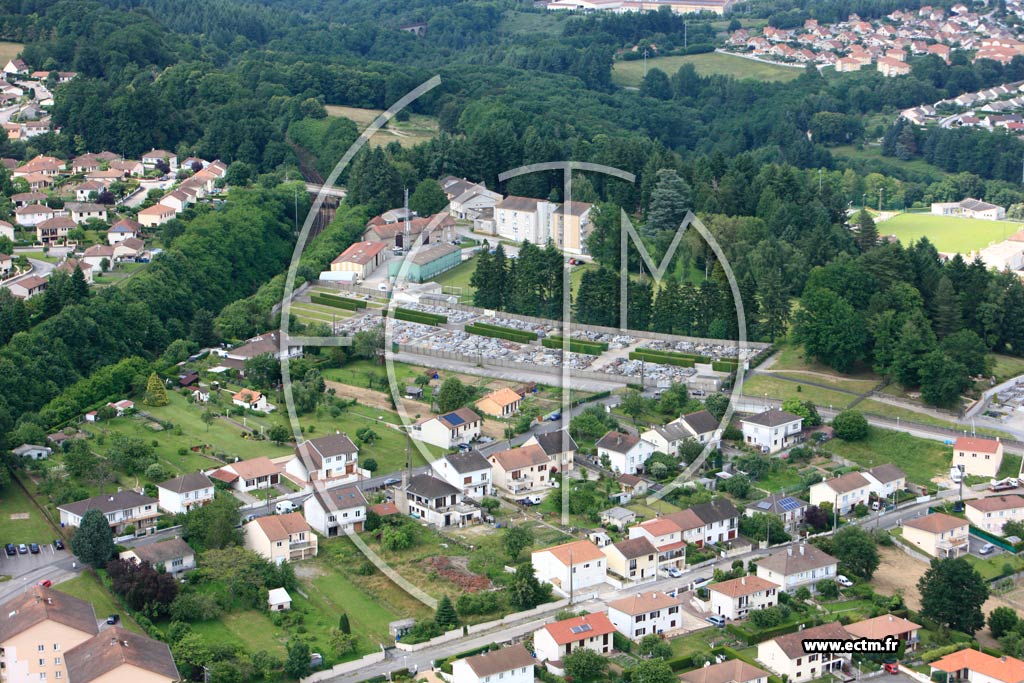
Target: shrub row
574, 346
696, 358
413, 316
596, 344
336, 301
753, 638
724, 366
666, 360
498, 328
502, 333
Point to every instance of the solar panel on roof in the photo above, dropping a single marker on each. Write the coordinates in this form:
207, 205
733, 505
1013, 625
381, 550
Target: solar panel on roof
454, 419
764, 505
582, 628
788, 504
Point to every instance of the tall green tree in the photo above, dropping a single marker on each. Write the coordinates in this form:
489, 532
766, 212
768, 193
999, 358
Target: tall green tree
93, 542
516, 539
445, 616
428, 198
156, 392
952, 593
585, 665
453, 395
867, 231
856, 551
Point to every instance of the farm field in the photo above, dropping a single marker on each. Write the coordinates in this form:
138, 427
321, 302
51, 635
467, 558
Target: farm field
631, 73
921, 459
417, 129
948, 233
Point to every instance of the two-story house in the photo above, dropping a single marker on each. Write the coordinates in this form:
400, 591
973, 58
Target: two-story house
979, 457
786, 656
938, 534
181, 494
249, 475
991, 514
174, 555
772, 430
667, 538
334, 511
40, 626
433, 500
729, 671
721, 520
122, 509
789, 509
554, 641
645, 613
328, 457
795, 566
844, 492
468, 471
570, 567
117, 654
633, 560
511, 664
558, 446
885, 480
735, 598
702, 426
625, 453
517, 470
449, 430
666, 438
281, 538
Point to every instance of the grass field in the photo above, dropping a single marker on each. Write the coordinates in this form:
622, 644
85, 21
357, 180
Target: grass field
87, 587
872, 158
631, 73
948, 233
776, 387
1005, 367
34, 529
9, 51
417, 129
459, 276
921, 459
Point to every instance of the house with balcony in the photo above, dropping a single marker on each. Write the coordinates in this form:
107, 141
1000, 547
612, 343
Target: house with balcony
558, 445
735, 598
887, 626
181, 494
634, 560
992, 513
335, 511
773, 430
449, 430
334, 456
552, 642
796, 566
468, 471
844, 492
433, 500
626, 453
645, 613
521, 469
123, 509
938, 534
570, 567
249, 475
785, 656
281, 538
41, 625
667, 538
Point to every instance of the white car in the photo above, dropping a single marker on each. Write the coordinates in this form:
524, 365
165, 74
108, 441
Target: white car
986, 549
843, 581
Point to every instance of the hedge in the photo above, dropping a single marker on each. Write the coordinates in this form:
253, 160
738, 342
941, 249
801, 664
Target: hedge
724, 366
574, 346
501, 333
601, 345
413, 316
667, 360
764, 634
498, 328
337, 301
676, 354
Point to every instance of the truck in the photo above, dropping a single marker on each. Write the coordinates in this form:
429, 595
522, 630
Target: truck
1003, 484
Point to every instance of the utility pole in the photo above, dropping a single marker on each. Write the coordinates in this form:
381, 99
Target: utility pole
645, 68
880, 190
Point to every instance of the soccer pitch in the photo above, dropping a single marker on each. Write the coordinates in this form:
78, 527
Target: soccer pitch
948, 233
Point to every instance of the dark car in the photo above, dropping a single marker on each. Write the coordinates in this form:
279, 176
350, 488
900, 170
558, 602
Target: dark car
33, 548
22, 549
10, 549
58, 544
113, 619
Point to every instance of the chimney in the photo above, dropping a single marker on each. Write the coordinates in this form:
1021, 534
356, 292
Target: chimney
802, 548
789, 550
743, 581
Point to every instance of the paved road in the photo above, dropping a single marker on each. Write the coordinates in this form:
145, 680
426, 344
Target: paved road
27, 570
39, 268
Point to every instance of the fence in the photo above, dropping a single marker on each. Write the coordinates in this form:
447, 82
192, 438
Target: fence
346, 667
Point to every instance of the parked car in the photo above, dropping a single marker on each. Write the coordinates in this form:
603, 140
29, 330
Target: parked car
892, 668
716, 620
674, 572
58, 544
530, 500
843, 581
284, 506
45, 583
33, 548
22, 549
113, 619
392, 482
986, 549
10, 549
699, 582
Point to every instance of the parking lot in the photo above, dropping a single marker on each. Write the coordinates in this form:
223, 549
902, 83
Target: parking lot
976, 545
17, 565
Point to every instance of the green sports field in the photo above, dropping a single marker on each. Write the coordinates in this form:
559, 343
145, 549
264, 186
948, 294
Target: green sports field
631, 73
948, 234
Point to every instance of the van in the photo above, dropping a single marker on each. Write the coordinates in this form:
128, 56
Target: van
283, 507
716, 620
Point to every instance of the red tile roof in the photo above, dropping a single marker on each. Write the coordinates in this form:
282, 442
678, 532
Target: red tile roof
598, 623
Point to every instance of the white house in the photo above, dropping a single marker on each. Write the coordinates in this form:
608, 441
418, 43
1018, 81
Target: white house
735, 598
433, 500
511, 664
789, 509
978, 667
335, 511
468, 471
666, 438
266, 343
992, 513
626, 453
785, 656
772, 430
327, 457
249, 475
448, 430
667, 538
123, 509
154, 156
969, 208
251, 399
84, 211
173, 554
524, 218
572, 566
844, 492
278, 600
721, 521
644, 613
885, 480
553, 642
702, 426
27, 450
181, 494
122, 230
795, 566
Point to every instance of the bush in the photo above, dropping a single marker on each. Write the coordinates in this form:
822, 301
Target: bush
828, 589
511, 334
575, 346
415, 316
850, 425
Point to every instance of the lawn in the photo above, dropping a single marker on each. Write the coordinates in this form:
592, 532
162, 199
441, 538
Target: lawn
631, 73
357, 373
991, 567
417, 129
87, 586
790, 359
948, 233
459, 277
250, 629
921, 459
331, 593
35, 529
9, 51
1005, 367
389, 449
872, 160
534, 24
760, 385
783, 478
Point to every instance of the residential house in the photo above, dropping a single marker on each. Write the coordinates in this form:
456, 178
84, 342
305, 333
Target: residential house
85, 211
702, 426
938, 534
721, 521
887, 626
735, 598
6, 265
27, 450
449, 430
250, 399
521, 469
510, 664
184, 493
472, 202
729, 671
122, 230
992, 513
335, 511
468, 471
281, 538
174, 555
667, 538
89, 189
7, 230
117, 654
435, 501
266, 343
634, 560
360, 259
95, 255
327, 457
130, 249
31, 215
885, 480
773, 430
789, 509
179, 200
570, 567
618, 517
16, 67
155, 215
558, 446
154, 156
28, 287
645, 613
978, 667
249, 475
889, 67
631, 486
53, 230
122, 509
122, 407
666, 438
626, 453
22, 199
554, 641
41, 625
796, 566
501, 403
980, 457
70, 265
785, 656
844, 492
278, 600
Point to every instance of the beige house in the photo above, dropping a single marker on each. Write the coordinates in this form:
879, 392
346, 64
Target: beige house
938, 534
570, 227
520, 469
362, 258
158, 214
281, 538
504, 402
117, 655
735, 598
729, 671
795, 566
992, 513
645, 613
844, 492
980, 457
40, 626
247, 475
174, 555
886, 626
634, 560
558, 446
785, 655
